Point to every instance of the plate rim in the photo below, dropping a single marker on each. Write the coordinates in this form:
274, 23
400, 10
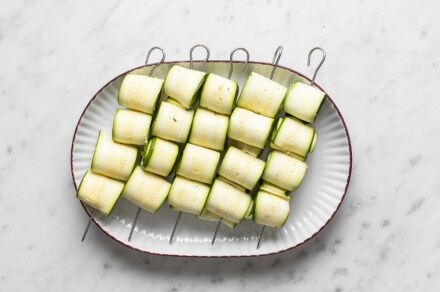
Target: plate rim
216, 256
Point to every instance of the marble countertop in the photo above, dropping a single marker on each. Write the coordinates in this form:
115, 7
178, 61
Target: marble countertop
382, 70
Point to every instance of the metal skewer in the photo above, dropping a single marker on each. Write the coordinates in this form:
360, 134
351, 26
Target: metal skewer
190, 66
92, 215
320, 63
275, 60
231, 62
149, 75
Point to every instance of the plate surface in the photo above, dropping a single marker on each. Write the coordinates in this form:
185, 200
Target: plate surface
312, 205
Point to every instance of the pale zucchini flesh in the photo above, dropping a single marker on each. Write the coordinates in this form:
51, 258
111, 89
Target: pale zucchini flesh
99, 192
172, 123
273, 189
227, 201
262, 95
241, 168
219, 94
271, 210
139, 92
250, 128
210, 216
198, 163
183, 84
131, 127
146, 190
188, 195
303, 101
209, 129
251, 150
113, 159
284, 171
297, 156
292, 136
160, 156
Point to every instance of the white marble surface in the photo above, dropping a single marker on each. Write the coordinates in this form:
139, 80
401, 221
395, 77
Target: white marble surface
382, 70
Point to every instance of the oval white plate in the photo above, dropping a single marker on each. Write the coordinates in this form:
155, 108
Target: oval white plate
312, 205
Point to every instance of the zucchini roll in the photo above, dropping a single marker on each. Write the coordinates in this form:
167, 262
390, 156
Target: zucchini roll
146, 190
262, 95
140, 92
113, 159
99, 192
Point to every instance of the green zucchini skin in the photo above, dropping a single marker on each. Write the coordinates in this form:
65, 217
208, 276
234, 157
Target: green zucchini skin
304, 101
113, 159
99, 192
183, 85
146, 190
262, 95
140, 93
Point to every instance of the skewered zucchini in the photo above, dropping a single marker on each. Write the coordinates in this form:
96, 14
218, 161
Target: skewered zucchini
198, 163
262, 95
99, 192
182, 84
131, 127
113, 159
209, 129
284, 171
292, 136
303, 101
188, 195
219, 94
250, 128
271, 210
139, 92
159, 156
146, 190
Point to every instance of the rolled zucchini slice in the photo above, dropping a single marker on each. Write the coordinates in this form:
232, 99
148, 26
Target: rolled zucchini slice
241, 168
292, 136
262, 95
172, 123
271, 210
198, 163
227, 201
146, 190
250, 128
182, 84
131, 127
139, 92
188, 195
159, 156
303, 101
219, 94
284, 171
113, 159
209, 129
251, 150
99, 192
